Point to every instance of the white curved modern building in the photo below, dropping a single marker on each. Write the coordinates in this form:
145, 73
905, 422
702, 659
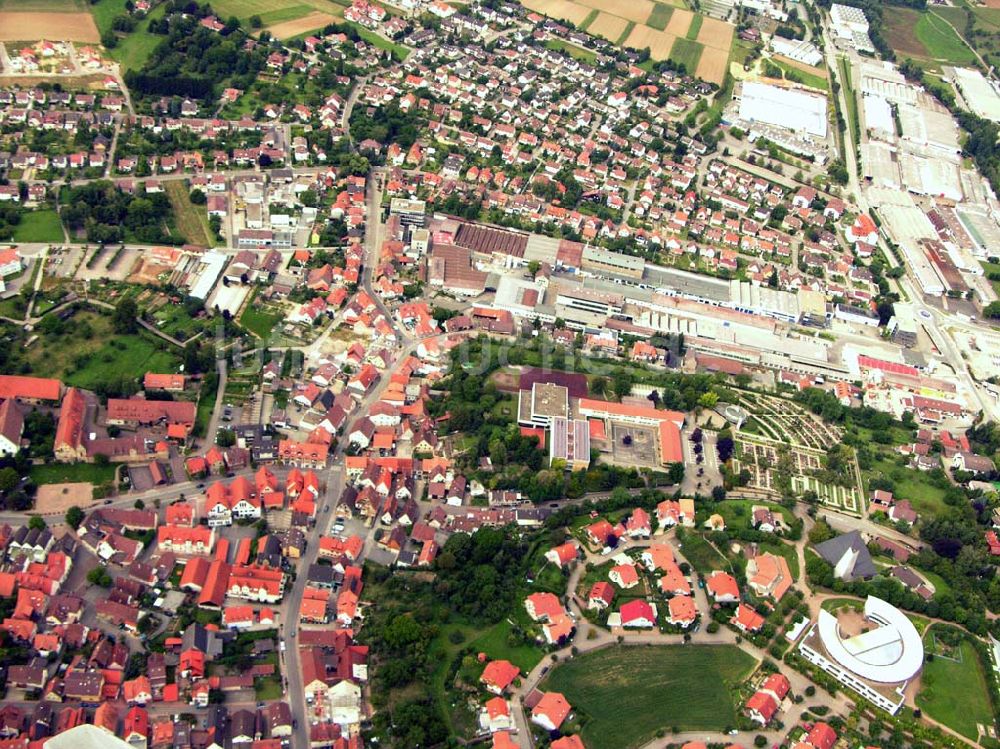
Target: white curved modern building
878, 663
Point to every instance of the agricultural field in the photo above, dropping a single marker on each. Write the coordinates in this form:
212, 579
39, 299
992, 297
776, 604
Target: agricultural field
926, 37
953, 688
660, 16
668, 29
608, 26
73, 25
273, 12
686, 52
39, 226
619, 692
191, 220
313, 20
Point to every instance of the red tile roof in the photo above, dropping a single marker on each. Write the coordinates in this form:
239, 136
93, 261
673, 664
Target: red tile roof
29, 388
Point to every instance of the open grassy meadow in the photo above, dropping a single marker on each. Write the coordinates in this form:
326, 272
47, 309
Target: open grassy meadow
954, 690
926, 37
192, 220
623, 694
86, 352
39, 226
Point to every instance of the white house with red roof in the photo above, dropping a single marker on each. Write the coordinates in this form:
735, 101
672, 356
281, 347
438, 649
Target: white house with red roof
682, 611
638, 614
625, 576
862, 230
499, 675
551, 711
600, 596
563, 554
723, 587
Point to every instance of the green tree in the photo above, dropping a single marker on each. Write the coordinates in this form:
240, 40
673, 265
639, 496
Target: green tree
37, 522
125, 317
74, 516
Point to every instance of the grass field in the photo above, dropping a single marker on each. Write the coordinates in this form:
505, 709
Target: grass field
133, 50
588, 20
956, 693
105, 11
799, 75
39, 226
701, 554
398, 50
687, 53
59, 473
190, 221
628, 693
660, 16
87, 361
579, 53
926, 36
495, 642
259, 320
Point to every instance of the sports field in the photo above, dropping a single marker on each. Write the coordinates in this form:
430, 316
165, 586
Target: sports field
704, 42
625, 694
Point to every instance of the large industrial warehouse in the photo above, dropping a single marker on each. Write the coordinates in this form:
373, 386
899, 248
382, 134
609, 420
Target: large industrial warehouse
791, 109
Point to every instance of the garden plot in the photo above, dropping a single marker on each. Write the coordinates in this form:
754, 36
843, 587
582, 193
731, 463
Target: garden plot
775, 466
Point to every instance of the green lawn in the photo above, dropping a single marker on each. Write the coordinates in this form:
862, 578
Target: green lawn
993, 268
191, 220
625, 694
800, 76
956, 693
579, 53
495, 642
259, 319
695, 27
701, 554
105, 11
591, 17
39, 226
687, 53
59, 473
399, 52
660, 16
268, 688
133, 50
